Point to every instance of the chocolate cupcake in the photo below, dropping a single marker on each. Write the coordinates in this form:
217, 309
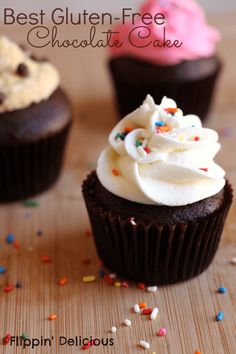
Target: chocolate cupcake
35, 118
158, 202
186, 72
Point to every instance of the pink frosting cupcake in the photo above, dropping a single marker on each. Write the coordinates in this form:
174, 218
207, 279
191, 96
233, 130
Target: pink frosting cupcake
174, 57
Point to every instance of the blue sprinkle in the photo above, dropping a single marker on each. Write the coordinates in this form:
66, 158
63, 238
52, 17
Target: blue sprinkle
101, 273
222, 290
18, 285
159, 124
2, 269
10, 238
219, 316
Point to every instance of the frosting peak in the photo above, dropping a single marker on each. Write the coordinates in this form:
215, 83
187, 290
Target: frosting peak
184, 22
156, 155
23, 81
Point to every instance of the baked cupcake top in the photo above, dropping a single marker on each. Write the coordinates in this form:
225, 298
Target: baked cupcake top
156, 155
184, 21
23, 80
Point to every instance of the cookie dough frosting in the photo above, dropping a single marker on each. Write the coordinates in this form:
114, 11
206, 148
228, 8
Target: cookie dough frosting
156, 155
23, 81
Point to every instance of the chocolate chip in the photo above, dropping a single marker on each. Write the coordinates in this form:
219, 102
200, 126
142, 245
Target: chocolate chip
22, 70
2, 97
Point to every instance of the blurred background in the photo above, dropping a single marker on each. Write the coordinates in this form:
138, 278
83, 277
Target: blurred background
211, 6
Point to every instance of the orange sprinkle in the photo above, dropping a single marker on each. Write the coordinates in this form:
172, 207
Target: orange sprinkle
171, 110
115, 172
197, 352
63, 281
165, 128
142, 305
52, 317
16, 244
128, 129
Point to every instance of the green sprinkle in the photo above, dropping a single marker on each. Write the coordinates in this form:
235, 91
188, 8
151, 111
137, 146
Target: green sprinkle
118, 136
30, 203
24, 335
138, 143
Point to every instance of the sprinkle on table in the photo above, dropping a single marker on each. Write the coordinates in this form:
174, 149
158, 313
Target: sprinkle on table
16, 244
127, 322
18, 285
146, 311
136, 308
144, 344
39, 233
46, 259
198, 352
151, 289
132, 221
112, 275
52, 317
89, 278
142, 305
154, 313
222, 290
108, 280
6, 339
30, 203
25, 335
101, 273
162, 332
115, 172
10, 238
113, 329
2, 270
141, 286
125, 284
117, 284
8, 288
63, 281
220, 316
88, 233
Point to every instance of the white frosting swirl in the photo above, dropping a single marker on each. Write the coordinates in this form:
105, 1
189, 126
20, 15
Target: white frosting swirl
158, 156
20, 92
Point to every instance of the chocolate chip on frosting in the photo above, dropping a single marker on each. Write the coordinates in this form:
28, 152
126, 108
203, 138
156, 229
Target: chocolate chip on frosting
22, 70
2, 97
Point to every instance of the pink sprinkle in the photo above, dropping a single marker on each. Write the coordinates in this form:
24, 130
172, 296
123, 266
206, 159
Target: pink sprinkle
124, 284
162, 332
204, 169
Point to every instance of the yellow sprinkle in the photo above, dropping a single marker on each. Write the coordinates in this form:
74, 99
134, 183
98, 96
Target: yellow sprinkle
181, 137
89, 278
117, 284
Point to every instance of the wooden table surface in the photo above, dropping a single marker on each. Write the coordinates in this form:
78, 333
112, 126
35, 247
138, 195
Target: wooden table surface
187, 310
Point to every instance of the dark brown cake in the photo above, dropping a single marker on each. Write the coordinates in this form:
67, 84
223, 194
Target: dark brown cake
35, 122
162, 244
191, 83
32, 143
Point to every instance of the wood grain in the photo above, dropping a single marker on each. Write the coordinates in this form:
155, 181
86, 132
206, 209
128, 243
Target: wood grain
187, 310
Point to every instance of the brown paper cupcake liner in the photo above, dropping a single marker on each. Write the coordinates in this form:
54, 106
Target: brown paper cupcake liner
154, 253
31, 168
192, 96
